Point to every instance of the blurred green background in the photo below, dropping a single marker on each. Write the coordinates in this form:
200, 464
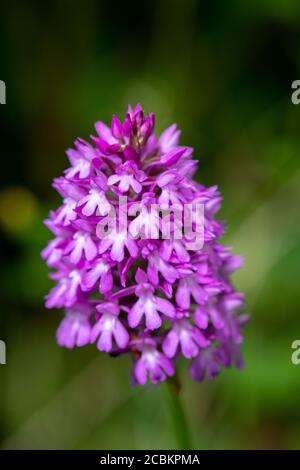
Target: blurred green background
223, 71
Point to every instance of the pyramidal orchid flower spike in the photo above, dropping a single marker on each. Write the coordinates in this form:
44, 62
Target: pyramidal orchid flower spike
142, 289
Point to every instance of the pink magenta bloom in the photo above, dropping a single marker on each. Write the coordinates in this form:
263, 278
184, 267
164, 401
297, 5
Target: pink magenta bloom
138, 288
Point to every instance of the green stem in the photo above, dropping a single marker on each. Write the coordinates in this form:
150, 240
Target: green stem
177, 414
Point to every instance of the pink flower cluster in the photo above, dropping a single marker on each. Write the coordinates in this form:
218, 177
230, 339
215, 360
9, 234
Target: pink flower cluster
157, 299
